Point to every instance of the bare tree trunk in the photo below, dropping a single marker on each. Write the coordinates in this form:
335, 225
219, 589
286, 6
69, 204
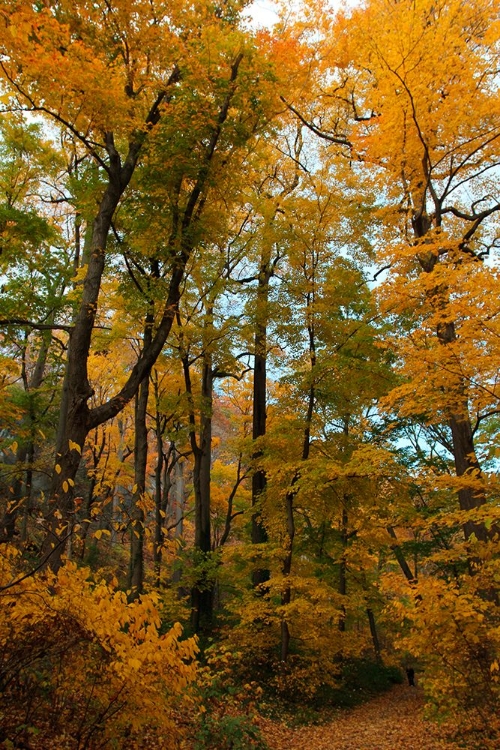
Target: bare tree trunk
202, 592
259, 532
137, 530
374, 635
343, 566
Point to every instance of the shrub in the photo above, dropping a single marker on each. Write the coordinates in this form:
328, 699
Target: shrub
80, 666
453, 629
226, 720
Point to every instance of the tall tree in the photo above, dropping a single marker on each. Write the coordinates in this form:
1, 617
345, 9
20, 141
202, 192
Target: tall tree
407, 91
116, 86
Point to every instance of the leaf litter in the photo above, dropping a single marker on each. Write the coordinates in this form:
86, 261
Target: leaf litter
391, 721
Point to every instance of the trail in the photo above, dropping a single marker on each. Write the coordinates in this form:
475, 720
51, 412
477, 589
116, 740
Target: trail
392, 721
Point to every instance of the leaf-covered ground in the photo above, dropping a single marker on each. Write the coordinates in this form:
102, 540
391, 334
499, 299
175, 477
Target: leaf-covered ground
391, 721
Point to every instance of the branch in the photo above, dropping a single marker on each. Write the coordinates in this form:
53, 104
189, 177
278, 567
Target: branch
223, 374
341, 141
38, 567
481, 417
398, 553
179, 520
240, 477
473, 216
38, 326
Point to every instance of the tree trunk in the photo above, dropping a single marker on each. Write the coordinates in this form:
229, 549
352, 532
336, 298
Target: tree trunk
74, 416
343, 567
398, 554
374, 635
118, 491
86, 517
266, 271
179, 486
97, 453
137, 530
202, 592
259, 532
159, 537
286, 596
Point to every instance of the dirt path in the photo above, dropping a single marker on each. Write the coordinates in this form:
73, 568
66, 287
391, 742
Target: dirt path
392, 721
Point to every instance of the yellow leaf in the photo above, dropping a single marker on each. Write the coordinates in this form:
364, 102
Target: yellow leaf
57, 468
99, 533
75, 447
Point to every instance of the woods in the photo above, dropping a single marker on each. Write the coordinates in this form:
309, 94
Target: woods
249, 326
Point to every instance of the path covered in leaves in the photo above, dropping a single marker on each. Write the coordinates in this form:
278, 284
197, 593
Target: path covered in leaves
391, 721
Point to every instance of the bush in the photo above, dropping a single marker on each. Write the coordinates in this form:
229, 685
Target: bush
80, 666
453, 629
226, 720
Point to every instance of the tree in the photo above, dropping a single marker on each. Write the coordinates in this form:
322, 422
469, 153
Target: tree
33, 294
397, 103
407, 92
116, 86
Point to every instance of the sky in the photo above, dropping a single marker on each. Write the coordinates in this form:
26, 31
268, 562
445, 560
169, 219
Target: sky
262, 13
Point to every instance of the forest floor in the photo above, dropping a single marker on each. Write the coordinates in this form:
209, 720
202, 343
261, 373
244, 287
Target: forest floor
392, 721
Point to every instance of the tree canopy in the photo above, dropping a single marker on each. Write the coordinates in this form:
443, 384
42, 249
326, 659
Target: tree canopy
249, 346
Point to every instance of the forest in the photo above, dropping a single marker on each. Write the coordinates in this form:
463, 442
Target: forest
249, 366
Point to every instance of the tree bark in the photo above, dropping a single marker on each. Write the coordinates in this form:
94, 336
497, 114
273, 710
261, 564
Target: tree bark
374, 635
137, 528
202, 592
259, 532
343, 567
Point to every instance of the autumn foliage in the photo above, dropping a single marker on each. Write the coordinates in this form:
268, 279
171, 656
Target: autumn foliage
249, 384
81, 666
